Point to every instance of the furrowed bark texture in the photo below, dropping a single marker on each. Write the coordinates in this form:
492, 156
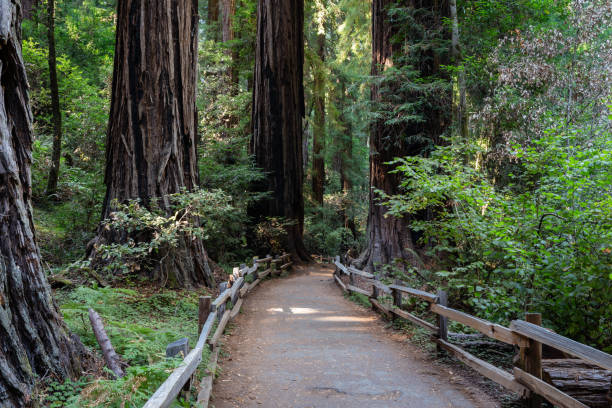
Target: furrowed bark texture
152, 133
55, 104
34, 341
228, 10
346, 158
390, 238
318, 140
278, 109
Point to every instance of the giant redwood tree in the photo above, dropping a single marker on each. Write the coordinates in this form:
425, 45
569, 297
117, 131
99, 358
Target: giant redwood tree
151, 140
278, 109
34, 341
413, 102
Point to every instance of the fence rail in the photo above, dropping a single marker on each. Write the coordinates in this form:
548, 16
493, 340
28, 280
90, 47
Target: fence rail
208, 313
526, 377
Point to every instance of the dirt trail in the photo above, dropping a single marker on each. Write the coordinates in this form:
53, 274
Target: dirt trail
299, 343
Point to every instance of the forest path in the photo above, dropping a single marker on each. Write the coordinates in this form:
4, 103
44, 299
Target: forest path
299, 343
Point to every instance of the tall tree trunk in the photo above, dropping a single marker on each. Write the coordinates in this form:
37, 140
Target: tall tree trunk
459, 106
213, 17
390, 238
34, 341
228, 10
346, 158
152, 133
55, 104
278, 109
318, 140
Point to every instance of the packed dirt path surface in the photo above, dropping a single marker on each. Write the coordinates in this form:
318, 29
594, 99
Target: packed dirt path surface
299, 343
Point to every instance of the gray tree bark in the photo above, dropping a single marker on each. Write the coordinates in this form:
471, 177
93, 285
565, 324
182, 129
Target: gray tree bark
34, 341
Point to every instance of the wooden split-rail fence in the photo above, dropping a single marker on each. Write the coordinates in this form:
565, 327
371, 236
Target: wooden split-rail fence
209, 313
528, 336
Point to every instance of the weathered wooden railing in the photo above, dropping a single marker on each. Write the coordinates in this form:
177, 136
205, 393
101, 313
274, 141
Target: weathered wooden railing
233, 291
526, 378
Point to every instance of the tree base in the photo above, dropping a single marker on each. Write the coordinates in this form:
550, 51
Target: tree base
185, 266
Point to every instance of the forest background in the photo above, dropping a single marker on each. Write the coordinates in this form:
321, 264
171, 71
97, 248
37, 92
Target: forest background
517, 192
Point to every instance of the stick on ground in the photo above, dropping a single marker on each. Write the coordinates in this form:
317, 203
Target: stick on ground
110, 356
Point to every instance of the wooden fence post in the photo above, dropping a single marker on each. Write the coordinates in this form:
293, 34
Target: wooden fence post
531, 359
203, 311
269, 261
375, 288
397, 299
442, 320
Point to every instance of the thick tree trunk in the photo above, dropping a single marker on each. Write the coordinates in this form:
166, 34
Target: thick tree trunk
390, 238
34, 341
152, 133
318, 140
278, 109
55, 104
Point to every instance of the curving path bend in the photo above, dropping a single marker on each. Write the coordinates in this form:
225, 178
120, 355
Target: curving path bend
299, 343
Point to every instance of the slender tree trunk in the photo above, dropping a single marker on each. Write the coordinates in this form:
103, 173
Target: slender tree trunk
390, 238
152, 133
278, 109
55, 104
228, 10
213, 17
34, 341
318, 140
346, 158
459, 106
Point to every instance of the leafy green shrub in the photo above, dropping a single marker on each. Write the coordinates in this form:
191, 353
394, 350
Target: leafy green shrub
542, 243
59, 395
203, 214
271, 234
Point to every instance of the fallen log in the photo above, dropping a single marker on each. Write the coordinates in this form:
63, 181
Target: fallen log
110, 356
582, 381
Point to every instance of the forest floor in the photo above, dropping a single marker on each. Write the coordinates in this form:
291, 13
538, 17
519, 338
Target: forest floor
299, 343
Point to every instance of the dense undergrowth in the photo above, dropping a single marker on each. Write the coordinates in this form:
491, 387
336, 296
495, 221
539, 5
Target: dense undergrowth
141, 322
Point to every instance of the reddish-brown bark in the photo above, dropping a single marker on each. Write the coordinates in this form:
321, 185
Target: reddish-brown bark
278, 109
390, 238
318, 140
152, 133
